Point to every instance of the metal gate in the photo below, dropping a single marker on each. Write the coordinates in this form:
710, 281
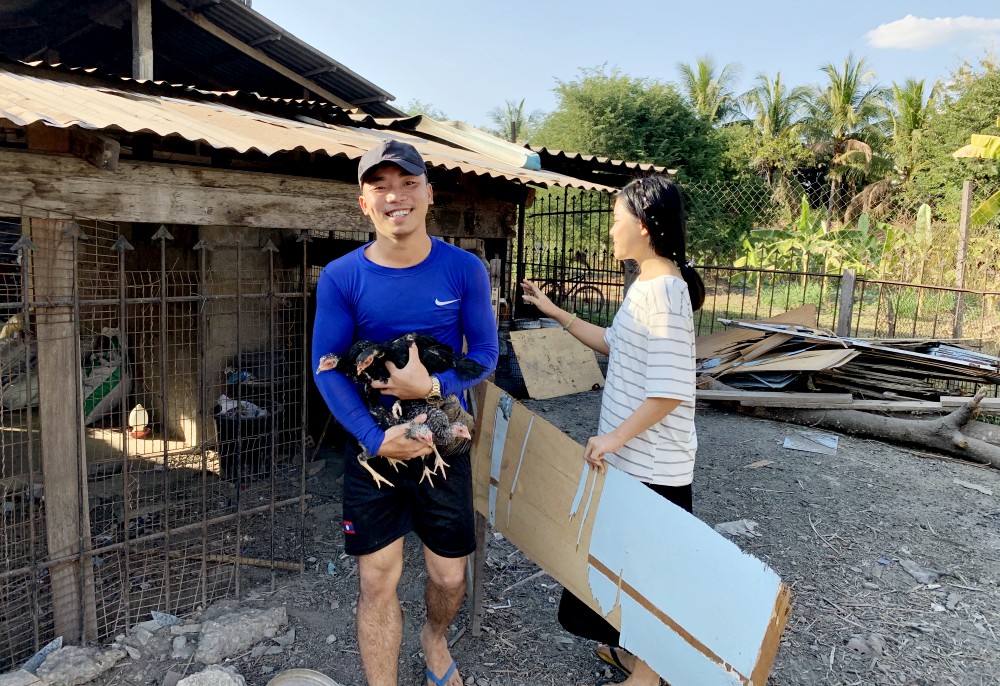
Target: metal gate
565, 246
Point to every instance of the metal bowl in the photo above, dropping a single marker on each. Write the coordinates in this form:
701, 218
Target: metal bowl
301, 677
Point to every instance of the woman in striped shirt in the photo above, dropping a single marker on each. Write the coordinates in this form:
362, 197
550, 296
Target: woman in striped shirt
647, 409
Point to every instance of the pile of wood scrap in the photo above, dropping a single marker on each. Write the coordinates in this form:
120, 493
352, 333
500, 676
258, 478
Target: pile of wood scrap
813, 376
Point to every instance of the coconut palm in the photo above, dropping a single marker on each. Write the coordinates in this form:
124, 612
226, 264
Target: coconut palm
906, 110
845, 120
773, 112
710, 92
512, 123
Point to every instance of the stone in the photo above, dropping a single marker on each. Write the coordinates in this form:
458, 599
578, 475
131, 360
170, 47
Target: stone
214, 675
21, 677
74, 665
236, 632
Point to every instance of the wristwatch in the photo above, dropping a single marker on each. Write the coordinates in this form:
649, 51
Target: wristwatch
435, 393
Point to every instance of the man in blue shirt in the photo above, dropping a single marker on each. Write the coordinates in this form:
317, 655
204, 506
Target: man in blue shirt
402, 282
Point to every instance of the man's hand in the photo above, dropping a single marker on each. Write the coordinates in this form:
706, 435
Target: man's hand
397, 446
409, 382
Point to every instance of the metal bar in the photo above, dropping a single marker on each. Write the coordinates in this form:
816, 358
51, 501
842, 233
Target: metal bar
154, 300
163, 236
239, 407
148, 538
203, 248
271, 369
25, 247
126, 501
81, 453
304, 411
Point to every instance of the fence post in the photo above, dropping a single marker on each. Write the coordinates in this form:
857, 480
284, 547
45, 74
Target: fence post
846, 312
963, 247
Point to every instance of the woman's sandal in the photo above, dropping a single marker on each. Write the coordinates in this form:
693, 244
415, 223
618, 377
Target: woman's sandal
610, 655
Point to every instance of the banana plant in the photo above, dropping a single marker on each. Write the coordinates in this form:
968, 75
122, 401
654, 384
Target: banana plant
985, 147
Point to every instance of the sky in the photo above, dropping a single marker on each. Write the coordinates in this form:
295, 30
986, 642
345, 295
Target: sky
467, 57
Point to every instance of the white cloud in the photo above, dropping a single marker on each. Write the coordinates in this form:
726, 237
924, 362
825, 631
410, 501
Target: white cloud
920, 33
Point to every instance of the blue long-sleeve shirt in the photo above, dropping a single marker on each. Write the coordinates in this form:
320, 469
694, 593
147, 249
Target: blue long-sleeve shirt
446, 296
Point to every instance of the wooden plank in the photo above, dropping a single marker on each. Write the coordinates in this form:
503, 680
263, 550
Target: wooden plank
554, 363
715, 618
846, 313
778, 399
166, 193
896, 405
67, 519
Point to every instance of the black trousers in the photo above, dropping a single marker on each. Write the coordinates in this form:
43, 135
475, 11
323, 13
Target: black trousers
577, 618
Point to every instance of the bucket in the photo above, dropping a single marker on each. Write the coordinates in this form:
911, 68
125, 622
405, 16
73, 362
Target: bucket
301, 677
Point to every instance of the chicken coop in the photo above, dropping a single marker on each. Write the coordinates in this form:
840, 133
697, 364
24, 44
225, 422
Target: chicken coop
159, 248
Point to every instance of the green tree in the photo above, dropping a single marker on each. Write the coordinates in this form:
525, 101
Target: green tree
710, 91
512, 123
844, 120
773, 113
606, 112
415, 107
969, 104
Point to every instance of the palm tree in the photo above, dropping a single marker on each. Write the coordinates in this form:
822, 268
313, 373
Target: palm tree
845, 120
773, 113
710, 92
906, 110
512, 124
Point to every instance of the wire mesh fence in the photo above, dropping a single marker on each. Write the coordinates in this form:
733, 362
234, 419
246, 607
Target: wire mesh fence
153, 424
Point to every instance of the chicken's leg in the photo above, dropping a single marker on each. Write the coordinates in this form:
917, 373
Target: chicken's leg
379, 479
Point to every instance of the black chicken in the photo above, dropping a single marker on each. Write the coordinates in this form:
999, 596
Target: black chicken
449, 424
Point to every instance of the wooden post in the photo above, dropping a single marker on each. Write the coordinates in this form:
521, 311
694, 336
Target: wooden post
67, 516
142, 39
963, 248
846, 313
478, 576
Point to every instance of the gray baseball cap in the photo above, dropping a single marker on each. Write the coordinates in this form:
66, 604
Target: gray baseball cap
391, 151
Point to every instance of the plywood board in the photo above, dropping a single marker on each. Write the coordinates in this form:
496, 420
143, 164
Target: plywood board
687, 600
554, 363
711, 345
798, 361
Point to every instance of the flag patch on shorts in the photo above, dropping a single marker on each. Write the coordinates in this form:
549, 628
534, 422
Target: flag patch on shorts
349, 527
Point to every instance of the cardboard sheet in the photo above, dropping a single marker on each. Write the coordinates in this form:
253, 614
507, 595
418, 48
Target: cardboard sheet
686, 600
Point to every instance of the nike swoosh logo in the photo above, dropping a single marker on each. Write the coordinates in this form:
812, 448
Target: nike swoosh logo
442, 303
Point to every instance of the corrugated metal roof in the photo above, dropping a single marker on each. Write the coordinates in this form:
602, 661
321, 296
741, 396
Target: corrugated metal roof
204, 42
27, 98
250, 26
601, 163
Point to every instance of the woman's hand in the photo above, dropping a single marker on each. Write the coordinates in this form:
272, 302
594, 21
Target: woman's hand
533, 295
409, 382
598, 446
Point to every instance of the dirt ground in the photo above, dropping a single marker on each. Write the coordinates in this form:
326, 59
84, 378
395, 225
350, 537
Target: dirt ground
839, 529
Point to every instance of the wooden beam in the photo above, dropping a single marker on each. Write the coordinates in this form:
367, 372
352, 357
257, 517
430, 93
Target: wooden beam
256, 54
142, 40
100, 151
67, 518
178, 194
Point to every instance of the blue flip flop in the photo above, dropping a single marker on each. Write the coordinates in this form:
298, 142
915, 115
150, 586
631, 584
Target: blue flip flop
440, 681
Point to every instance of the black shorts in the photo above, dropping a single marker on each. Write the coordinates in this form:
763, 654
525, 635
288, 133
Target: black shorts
442, 515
